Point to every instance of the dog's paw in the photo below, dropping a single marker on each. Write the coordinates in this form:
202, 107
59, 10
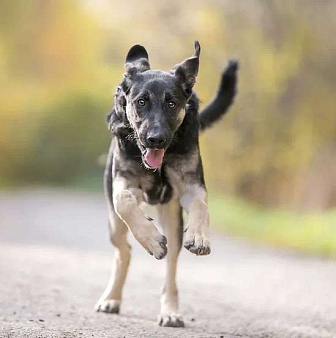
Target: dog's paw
157, 246
171, 320
197, 244
108, 306
150, 238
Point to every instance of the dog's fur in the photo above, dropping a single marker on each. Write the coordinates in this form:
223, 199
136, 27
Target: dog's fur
156, 112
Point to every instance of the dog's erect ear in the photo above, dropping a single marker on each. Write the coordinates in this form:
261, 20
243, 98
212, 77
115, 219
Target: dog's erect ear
187, 70
136, 60
135, 53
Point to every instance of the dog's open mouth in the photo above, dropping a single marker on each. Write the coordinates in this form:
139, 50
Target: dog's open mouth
153, 157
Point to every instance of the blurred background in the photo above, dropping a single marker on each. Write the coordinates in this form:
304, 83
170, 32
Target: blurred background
270, 164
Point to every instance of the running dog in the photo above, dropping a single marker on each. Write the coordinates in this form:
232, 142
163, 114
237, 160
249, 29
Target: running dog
155, 158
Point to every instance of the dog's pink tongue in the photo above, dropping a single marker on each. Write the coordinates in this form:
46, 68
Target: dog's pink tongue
154, 157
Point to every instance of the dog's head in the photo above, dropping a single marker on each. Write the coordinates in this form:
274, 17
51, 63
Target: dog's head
154, 101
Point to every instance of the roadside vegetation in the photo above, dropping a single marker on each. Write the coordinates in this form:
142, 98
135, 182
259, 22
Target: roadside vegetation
307, 232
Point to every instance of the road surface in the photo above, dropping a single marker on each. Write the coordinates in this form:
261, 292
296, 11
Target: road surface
55, 262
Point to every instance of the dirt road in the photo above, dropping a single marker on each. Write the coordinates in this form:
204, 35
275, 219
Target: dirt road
55, 260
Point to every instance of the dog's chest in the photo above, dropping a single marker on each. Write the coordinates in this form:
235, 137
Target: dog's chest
157, 187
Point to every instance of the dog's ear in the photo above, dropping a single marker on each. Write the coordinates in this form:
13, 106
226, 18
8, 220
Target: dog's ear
119, 101
136, 60
116, 119
187, 71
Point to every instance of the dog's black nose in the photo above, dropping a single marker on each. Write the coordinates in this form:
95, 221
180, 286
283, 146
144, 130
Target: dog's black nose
156, 140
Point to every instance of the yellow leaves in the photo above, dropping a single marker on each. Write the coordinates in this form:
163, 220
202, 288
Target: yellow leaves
273, 65
67, 43
210, 26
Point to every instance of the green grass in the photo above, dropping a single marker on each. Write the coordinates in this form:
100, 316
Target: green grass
312, 233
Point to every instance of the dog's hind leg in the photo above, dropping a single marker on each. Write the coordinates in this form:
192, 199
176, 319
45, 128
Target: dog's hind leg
111, 298
170, 218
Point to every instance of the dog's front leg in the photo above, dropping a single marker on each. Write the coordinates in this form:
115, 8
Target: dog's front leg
194, 201
126, 203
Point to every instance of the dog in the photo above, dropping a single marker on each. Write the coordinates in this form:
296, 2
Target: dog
154, 158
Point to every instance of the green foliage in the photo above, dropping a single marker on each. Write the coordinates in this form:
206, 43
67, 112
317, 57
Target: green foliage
313, 233
72, 135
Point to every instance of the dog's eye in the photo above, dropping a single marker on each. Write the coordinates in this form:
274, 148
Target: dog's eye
141, 102
172, 104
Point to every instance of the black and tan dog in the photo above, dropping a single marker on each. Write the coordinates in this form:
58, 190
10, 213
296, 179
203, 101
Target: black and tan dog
155, 158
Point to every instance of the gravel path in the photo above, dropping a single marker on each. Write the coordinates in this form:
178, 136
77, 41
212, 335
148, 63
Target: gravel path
55, 260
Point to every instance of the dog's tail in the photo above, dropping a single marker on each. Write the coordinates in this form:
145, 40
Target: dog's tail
224, 98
